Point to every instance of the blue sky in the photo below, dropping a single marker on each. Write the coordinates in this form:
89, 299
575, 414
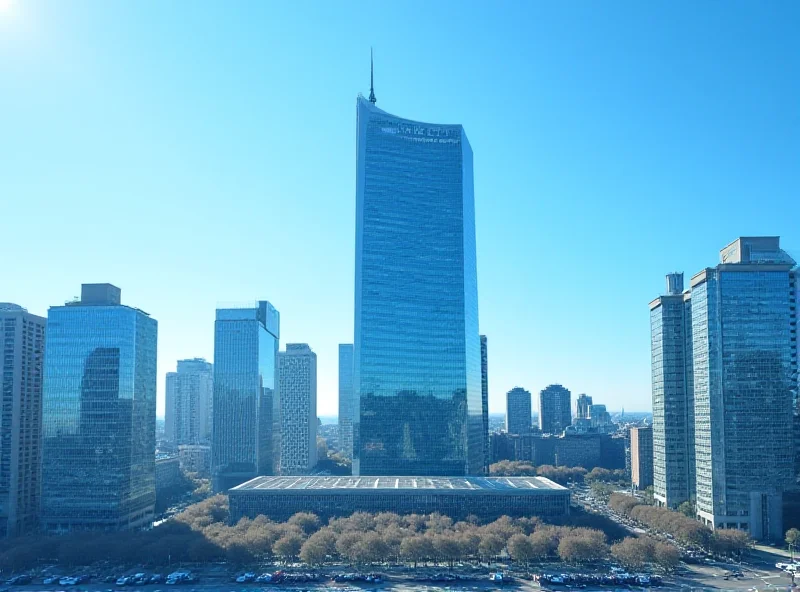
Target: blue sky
197, 153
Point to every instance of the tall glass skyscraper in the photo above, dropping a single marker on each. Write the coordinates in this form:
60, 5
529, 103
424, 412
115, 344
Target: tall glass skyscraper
744, 337
673, 395
417, 351
518, 411
346, 399
99, 411
246, 435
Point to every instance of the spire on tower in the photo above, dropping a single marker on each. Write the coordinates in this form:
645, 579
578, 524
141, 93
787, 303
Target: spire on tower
372, 98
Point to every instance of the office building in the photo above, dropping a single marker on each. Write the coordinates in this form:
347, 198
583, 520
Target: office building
600, 418
195, 458
297, 387
518, 411
417, 349
673, 395
582, 406
485, 401
99, 414
189, 402
22, 337
346, 394
246, 418
168, 474
555, 409
744, 332
278, 498
641, 457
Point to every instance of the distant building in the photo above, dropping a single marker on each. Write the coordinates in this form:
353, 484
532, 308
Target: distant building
518, 411
641, 457
600, 419
673, 395
99, 414
168, 473
416, 344
485, 400
246, 435
278, 498
22, 336
570, 450
744, 335
582, 407
190, 402
297, 387
346, 403
555, 409
195, 458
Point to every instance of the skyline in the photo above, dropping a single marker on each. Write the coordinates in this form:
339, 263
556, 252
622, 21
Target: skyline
672, 126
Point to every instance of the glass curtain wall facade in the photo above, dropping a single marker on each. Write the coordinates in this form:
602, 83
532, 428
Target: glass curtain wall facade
246, 417
346, 399
744, 346
416, 349
673, 396
99, 411
485, 401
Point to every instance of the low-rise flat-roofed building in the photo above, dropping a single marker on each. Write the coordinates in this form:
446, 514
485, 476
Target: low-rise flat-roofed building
488, 498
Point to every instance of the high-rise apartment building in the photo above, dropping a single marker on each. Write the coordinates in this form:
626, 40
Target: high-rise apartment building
641, 457
518, 411
744, 336
485, 401
346, 399
555, 409
417, 349
22, 337
246, 417
673, 395
582, 405
189, 402
297, 386
99, 413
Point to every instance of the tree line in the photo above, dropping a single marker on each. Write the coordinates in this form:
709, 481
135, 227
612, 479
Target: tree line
721, 541
202, 534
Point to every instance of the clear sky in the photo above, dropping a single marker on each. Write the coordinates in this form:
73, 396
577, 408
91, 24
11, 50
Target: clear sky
198, 153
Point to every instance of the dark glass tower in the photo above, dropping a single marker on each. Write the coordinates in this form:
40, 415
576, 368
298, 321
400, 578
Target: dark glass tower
98, 417
246, 433
417, 366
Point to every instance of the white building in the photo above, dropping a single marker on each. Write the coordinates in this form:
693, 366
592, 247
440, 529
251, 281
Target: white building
190, 402
297, 392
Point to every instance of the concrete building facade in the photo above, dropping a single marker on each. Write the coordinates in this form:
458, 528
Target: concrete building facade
641, 448
189, 409
555, 409
518, 411
22, 336
297, 387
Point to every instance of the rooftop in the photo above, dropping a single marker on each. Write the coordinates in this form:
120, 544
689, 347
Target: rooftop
444, 484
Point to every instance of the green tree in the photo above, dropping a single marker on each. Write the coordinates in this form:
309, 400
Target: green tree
687, 509
288, 546
520, 548
666, 556
634, 552
416, 548
305, 521
318, 547
792, 537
